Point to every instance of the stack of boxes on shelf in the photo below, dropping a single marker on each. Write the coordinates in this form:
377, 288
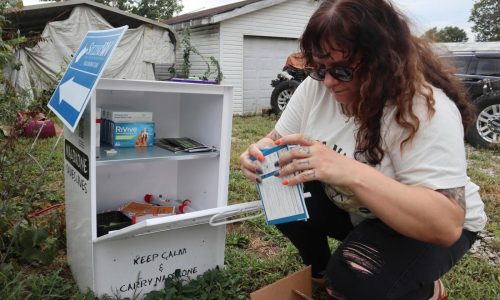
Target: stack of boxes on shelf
141, 211
125, 128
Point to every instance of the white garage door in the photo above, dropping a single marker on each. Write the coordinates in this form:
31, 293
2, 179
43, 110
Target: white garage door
263, 58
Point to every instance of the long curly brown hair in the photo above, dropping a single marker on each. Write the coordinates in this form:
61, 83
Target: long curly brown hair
395, 66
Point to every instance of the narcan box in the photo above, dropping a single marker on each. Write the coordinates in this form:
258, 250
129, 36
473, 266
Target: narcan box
128, 135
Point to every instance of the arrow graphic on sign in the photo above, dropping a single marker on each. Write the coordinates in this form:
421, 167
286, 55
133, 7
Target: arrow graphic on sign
73, 94
81, 54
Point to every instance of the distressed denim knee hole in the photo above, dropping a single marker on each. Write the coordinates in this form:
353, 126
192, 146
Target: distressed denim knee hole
361, 258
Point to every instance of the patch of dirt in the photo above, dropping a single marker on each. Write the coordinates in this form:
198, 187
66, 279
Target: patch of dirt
263, 247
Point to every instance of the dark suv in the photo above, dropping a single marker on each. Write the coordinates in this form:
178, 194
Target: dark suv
480, 72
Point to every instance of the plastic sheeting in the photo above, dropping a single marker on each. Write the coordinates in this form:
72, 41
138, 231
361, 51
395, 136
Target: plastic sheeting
134, 57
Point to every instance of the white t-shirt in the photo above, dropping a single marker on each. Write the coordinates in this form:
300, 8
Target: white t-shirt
435, 158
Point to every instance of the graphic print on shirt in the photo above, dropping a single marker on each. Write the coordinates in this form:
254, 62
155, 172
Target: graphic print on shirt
345, 198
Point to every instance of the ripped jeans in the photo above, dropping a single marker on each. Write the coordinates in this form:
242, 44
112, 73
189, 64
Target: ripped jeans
373, 261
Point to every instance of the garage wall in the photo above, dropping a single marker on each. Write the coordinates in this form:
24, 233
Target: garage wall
263, 58
281, 22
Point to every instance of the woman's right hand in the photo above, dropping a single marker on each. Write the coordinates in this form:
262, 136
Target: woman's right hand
251, 168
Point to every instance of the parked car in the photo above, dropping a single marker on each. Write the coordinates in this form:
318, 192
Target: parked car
480, 72
287, 81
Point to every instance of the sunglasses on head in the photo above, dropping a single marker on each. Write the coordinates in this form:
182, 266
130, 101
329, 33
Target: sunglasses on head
344, 74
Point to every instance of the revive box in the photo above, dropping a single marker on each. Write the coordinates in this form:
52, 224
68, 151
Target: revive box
132, 134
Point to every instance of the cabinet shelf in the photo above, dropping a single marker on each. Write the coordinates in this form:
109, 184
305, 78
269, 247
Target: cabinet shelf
142, 154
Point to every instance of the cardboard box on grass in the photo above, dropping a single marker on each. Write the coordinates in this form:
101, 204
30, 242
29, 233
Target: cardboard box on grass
297, 286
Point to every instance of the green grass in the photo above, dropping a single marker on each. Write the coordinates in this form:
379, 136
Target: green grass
256, 254
472, 278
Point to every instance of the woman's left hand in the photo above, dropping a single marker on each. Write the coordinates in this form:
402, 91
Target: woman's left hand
313, 161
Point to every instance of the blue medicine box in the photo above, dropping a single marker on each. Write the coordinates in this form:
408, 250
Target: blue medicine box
129, 135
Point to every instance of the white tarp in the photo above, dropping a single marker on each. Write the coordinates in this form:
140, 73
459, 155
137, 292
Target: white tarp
138, 50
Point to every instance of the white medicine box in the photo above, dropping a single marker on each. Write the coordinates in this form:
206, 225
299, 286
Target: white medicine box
137, 259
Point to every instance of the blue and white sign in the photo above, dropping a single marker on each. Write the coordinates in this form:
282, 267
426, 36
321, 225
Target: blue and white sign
73, 92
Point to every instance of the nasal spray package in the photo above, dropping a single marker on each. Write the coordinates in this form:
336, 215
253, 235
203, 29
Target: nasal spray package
132, 134
125, 128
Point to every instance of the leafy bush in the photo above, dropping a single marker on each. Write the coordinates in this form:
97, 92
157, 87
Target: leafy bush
35, 244
9, 103
51, 285
20, 177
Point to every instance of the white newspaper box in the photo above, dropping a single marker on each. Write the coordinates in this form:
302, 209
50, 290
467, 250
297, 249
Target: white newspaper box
138, 258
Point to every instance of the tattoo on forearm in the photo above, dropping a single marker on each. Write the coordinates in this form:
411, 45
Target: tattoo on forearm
274, 135
455, 194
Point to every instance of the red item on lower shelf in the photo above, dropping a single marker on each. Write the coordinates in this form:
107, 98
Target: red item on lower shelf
181, 209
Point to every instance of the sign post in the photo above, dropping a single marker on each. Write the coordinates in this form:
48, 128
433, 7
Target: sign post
73, 91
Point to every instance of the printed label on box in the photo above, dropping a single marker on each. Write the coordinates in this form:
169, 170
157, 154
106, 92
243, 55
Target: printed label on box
130, 116
132, 134
282, 203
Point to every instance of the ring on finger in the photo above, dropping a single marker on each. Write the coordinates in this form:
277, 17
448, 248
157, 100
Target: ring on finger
304, 150
310, 173
308, 139
303, 162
